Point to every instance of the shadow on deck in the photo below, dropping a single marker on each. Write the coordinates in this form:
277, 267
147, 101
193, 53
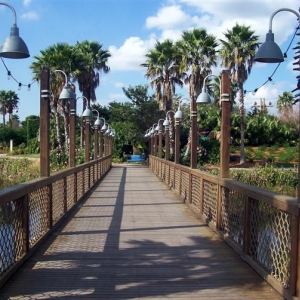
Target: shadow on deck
133, 239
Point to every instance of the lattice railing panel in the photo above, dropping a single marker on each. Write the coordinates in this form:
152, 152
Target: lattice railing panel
196, 193
177, 180
185, 187
86, 179
58, 195
71, 195
11, 234
80, 184
233, 214
38, 214
210, 196
91, 172
167, 175
171, 182
270, 237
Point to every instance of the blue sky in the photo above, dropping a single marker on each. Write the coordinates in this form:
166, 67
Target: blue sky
129, 28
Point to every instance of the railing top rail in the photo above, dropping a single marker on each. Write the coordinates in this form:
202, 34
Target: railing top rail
282, 202
25, 188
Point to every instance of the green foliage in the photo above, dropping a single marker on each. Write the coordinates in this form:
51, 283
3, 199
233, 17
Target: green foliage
59, 159
14, 171
283, 181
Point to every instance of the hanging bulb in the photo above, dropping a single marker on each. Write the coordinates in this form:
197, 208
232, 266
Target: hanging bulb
285, 56
28, 87
271, 80
254, 92
20, 86
8, 75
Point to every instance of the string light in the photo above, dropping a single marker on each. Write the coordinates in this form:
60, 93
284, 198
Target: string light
270, 77
9, 76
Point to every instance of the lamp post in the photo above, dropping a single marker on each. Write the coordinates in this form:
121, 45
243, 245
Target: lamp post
101, 141
269, 52
204, 98
166, 123
87, 114
67, 93
13, 47
97, 125
159, 130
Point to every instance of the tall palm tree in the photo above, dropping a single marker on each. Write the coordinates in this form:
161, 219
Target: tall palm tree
57, 57
163, 71
285, 103
197, 50
9, 101
91, 60
237, 53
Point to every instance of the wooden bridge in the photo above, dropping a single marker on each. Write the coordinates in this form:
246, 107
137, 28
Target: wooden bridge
125, 234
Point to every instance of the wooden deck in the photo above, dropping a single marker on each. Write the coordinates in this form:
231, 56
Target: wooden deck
133, 239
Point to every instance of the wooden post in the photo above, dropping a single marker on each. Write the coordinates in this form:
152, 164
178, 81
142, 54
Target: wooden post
72, 134
167, 143
225, 125
194, 135
177, 141
87, 140
45, 122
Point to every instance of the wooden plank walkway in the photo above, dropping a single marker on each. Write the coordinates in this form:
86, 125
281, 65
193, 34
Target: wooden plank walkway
133, 239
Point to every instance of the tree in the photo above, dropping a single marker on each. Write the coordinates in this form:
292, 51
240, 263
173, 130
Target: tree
90, 60
56, 57
9, 101
197, 52
237, 53
163, 71
285, 104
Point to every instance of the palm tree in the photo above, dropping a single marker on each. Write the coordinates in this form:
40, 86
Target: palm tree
9, 101
197, 50
57, 57
91, 60
285, 104
163, 71
237, 53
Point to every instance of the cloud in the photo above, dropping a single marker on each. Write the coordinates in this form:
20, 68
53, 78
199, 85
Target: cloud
31, 15
26, 2
130, 55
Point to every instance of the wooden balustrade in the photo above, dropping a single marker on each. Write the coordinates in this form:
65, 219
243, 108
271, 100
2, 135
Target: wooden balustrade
260, 225
30, 211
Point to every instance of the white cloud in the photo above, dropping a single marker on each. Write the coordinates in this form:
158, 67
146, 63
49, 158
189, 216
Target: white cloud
31, 15
130, 55
119, 84
26, 2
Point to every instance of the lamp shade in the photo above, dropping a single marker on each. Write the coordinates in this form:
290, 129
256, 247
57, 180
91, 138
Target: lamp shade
178, 115
67, 93
166, 122
98, 122
269, 51
104, 127
87, 113
14, 47
203, 98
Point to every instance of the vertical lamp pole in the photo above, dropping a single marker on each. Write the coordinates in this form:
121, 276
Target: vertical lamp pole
177, 140
87, 139
72, 161
225, 125
194, 133
44, 122
159, 129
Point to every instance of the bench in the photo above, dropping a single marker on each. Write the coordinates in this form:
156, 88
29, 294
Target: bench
136, 158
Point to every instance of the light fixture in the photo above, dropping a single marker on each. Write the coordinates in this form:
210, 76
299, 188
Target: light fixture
87, 112
166, 121
269, 51
67, 92
204, 97
13, 47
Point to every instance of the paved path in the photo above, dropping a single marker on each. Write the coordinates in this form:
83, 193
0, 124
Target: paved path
133, 239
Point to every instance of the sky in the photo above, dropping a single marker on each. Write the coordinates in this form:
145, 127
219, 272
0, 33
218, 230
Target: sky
130, 28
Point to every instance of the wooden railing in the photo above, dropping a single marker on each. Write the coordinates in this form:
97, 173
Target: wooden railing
260, 225
30, 211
